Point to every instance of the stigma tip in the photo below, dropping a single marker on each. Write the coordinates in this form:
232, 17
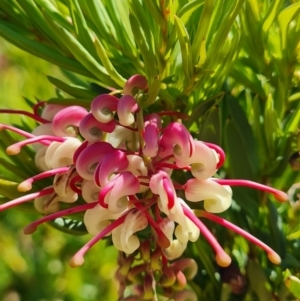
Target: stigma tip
223, 260
12, 150
274, 258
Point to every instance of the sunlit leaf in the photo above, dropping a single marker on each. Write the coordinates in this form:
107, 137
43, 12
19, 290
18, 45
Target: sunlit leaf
284, 19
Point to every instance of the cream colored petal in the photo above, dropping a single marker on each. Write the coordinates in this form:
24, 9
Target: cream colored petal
217, 198
186, 230
63, 155
90, 191
50, 151
175, 250
47, 204
43, 129
203, 161
124, 238
98, 218
40, 160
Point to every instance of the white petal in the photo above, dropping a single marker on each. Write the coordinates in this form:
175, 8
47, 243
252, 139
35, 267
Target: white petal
61, 184
50, 153
98, 218
46, 204
43, 129
203, 161
136, 165
90, 191
123, 237
175, 250
50, 110
63, 155
167, 226
186, 230
217, 198
40, 160
120, 137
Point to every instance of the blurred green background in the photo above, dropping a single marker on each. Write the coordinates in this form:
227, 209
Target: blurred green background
35, 267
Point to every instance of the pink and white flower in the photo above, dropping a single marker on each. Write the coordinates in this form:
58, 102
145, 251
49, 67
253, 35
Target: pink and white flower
121, 164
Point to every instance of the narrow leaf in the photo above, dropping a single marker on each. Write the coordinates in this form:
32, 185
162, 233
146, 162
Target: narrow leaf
108, 65
186, 52
76, 91
284, 19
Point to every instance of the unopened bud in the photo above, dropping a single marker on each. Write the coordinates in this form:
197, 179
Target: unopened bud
145, 250
180, 281
149, 287
135, 273
187, 265
168, 277
126, 265
156, 264
185, 296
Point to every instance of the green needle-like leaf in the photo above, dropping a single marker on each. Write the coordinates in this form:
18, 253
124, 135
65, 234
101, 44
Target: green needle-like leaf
115, 76
186, 52
284, 19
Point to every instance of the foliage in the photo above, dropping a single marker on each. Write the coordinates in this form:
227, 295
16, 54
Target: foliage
232, 66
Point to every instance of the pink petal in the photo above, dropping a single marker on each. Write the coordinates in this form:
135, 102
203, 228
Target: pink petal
66, 119
103, 107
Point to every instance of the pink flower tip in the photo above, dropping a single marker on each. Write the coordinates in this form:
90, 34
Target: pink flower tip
274, 257
281, 196
76, 261
25, 186
13, 150
223, 259
29, 229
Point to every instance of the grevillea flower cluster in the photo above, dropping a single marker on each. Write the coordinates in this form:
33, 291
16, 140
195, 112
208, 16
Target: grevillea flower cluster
114, 164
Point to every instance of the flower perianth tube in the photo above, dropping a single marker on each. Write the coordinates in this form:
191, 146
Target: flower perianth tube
176, 135
126, 107
66, 121
103, 107
135, 83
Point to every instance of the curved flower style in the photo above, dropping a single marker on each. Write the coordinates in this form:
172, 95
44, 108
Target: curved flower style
116, 165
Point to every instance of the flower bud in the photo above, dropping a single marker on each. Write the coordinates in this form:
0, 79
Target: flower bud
168, 277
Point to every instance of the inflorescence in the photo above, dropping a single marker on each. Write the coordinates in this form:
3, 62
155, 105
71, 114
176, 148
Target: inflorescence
115, 164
